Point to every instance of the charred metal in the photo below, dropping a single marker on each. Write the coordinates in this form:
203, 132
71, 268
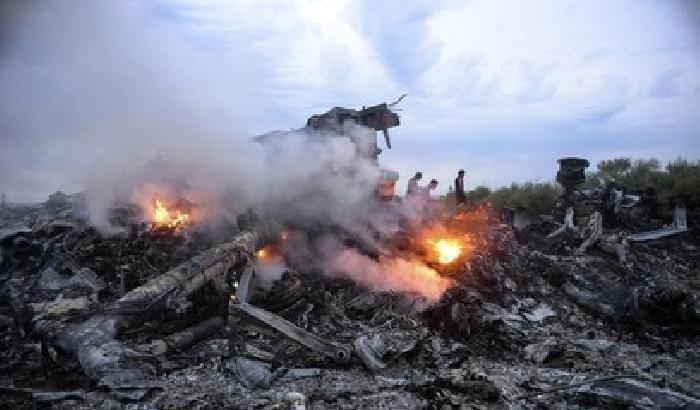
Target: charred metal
570, 310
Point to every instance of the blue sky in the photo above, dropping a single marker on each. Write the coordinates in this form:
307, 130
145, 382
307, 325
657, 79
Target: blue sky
501, 88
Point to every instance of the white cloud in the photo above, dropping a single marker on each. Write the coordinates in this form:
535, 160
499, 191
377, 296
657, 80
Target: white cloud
579, 57
315, 52
499, 87
502, 85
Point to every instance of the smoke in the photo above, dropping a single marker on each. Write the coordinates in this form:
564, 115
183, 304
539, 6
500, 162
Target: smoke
389, 274
102, 97
396, 274
95, 89
270, 269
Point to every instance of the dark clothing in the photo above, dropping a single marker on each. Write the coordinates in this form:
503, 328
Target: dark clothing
459, 191
412, 187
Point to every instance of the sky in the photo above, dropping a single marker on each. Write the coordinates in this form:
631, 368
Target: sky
500, 88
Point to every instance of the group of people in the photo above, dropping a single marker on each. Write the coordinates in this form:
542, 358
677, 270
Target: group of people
418, 197
414, 190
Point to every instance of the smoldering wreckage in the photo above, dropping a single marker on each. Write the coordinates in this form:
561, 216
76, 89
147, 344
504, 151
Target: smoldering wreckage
595, 307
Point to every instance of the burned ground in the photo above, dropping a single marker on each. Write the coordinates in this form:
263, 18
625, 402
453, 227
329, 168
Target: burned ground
526, 325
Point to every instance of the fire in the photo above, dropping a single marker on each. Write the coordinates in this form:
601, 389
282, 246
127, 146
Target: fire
268, 252
390, 274
448, 250
446, 242
262, 253
162, 217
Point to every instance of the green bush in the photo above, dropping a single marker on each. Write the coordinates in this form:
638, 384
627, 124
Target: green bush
537, 197
682, 178
478, 194
679, 178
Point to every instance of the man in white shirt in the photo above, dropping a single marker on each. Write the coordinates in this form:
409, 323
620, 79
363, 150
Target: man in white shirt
412, 187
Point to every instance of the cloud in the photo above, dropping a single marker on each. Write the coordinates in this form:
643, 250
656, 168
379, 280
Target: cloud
577, 57
317, 55
497, 85
514, 86
665, 84
396, 30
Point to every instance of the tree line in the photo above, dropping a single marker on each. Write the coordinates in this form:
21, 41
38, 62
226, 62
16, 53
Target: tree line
679, 178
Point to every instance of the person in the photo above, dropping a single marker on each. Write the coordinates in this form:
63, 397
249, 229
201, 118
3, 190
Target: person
423, 197
432, 185
459, 188
412, 187
417, 199
422, 193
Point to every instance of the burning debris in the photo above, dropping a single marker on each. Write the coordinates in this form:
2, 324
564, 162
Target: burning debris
198, 268
378, 309
162, 217
447, 250
486, 337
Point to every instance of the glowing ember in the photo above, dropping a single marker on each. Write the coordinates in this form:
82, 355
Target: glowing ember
262, 253
161, 216
390, 274
447, 250
172, 219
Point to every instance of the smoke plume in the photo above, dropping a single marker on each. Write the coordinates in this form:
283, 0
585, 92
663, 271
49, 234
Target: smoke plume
101, 97
390, 274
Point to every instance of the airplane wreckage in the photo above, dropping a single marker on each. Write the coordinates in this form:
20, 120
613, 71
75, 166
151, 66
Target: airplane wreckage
585, 313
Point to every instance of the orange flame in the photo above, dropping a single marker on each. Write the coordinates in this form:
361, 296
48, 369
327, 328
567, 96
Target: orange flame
391, 274
162, 217
448, 250
446, 242
262, 253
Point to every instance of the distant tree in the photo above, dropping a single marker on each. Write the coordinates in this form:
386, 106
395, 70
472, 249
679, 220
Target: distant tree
681, 179
637, 174
478, 194
643, 173
678, 179
536, 197
614, 169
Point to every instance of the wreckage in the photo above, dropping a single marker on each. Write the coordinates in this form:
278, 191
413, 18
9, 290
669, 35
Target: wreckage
379, 117
338, 122
163, 316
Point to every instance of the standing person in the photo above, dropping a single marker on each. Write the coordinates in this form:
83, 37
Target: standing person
412, 188
459, 188
423, 198
432, 185
413, 202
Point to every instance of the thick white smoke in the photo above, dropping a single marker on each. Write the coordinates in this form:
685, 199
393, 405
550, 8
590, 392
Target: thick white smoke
100, 97
93, 90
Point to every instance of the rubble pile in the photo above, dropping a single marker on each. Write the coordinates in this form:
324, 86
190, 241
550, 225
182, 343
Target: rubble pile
527, 324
